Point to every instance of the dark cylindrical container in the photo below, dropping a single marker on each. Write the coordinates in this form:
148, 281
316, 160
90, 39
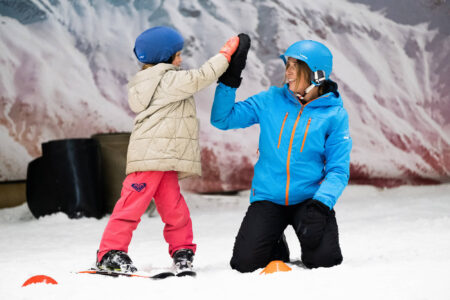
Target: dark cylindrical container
69, 173
42, 198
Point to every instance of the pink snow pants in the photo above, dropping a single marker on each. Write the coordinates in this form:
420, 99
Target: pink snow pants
137, 192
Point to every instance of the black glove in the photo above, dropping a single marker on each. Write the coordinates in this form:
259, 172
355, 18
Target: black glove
232, 76
314, 221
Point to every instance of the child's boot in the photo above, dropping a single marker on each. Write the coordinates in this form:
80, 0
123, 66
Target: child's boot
116, 260
182, 260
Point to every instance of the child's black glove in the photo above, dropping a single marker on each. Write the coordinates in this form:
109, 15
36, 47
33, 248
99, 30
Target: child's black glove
232, 76
314, 223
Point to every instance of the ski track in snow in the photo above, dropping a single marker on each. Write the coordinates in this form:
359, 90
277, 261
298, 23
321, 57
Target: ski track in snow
395, 242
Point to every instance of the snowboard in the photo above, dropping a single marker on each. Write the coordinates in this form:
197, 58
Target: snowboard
157, 276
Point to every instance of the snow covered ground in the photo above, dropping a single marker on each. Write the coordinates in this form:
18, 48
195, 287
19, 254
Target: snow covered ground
395, 242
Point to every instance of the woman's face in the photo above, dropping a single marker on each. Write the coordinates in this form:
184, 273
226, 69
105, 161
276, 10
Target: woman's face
295, 79
177, 60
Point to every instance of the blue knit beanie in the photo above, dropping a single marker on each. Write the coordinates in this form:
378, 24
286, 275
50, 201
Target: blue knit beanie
157, 44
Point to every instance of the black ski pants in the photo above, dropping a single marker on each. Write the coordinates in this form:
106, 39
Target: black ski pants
260, 238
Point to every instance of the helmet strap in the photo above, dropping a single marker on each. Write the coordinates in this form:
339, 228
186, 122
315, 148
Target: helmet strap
307, 90
318, 78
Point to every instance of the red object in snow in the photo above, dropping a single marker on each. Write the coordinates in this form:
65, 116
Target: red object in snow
39, 279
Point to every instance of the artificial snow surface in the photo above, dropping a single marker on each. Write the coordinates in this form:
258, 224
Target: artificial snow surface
395, 242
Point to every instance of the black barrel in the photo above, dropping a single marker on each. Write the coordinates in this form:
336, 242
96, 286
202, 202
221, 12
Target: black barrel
42, 198
66, 178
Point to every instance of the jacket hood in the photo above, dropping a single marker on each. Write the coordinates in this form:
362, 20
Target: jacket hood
143, 85
328, 99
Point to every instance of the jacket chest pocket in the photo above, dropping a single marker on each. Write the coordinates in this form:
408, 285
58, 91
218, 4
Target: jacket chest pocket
305, 134
310, 142
281, 130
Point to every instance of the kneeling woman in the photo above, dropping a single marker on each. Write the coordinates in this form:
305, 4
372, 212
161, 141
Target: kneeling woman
303, 167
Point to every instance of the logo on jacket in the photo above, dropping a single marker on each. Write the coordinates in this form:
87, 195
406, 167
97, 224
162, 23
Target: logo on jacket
138, 186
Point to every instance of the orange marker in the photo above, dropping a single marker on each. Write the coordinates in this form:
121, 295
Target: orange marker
39, 279
275, 266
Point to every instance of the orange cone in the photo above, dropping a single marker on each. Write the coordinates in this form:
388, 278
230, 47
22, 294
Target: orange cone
275, 266
39, 279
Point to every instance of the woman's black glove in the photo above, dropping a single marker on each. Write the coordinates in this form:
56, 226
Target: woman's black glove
314, 222
232, 76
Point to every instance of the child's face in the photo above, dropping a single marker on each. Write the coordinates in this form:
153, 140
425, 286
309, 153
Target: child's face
177, 60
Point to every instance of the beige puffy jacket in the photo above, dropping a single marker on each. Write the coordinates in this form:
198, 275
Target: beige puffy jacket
165, 133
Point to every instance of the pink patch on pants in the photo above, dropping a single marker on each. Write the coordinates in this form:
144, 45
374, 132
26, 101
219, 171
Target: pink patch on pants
137, 192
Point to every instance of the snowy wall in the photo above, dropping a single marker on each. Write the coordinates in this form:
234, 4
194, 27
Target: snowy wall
65, 65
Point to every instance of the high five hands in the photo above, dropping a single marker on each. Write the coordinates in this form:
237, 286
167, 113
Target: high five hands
238, 47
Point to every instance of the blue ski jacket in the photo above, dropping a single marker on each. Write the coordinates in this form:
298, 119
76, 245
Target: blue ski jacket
304, 149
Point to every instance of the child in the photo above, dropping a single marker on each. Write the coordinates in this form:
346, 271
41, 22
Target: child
163, 147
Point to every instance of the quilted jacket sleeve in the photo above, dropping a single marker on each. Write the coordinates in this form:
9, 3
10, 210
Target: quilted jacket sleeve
177, 85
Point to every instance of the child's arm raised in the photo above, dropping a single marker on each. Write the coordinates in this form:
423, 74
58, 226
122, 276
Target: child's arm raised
179, 85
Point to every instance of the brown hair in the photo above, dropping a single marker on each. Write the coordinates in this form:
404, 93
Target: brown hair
146, 66
169, 61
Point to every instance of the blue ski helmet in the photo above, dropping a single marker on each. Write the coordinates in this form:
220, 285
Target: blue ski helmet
157, 44
316, 55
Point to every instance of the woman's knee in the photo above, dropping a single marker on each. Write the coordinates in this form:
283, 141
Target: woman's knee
322, 260
244, 264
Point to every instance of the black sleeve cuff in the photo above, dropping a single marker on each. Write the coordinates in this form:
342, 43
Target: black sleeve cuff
230, 81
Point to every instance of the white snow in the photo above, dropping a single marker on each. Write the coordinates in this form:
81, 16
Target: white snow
395, 242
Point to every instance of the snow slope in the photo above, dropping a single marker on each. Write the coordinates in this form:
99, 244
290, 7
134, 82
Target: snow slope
395, 244
65, 64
